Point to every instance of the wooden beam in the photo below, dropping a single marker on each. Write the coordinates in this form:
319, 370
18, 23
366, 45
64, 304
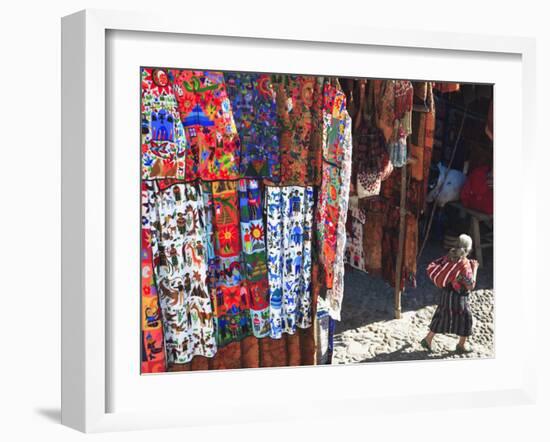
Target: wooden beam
402, 215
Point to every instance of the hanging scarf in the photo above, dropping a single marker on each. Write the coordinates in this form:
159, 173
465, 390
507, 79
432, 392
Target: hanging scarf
254, 254
232, 299
289, 212
335, 294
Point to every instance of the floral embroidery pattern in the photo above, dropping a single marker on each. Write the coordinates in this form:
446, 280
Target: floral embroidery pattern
205, 112
299, 101
289, 226
328, 210
180, 271
163, 140
254, 254
335, 295
232, 299
254, 109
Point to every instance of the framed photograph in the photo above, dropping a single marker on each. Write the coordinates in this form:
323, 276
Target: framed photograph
264, 223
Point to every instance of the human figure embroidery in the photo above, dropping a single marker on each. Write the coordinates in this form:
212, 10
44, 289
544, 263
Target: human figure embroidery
456, 275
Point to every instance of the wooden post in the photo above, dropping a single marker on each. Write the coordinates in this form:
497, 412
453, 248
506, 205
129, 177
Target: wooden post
402, 214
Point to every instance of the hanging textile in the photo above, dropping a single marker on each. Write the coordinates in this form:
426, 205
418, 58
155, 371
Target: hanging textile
232, 300
299, 110
393, 107
255, 112
374, 163
335, 294
163, 140
152, 339
332, 204
212, 260
328, 207
447, 87
421, 147
289, 212
254, 254
355, 254
205, 112
180, 267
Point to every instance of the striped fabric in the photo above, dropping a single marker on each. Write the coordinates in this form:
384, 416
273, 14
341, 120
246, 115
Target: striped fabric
453, 314
444, 272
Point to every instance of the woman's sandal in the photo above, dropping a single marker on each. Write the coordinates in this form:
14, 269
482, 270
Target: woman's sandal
461, 350
424, 344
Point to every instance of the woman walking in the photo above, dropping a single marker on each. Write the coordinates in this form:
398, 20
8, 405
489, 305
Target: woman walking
456, 275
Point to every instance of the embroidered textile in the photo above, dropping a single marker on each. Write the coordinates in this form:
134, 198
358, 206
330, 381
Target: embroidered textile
255, 112
299, 110
289, 228
205, 112
179, 261
354, 254
335, 294
335, 120
163, 140
254, 254
232, 300
152, 339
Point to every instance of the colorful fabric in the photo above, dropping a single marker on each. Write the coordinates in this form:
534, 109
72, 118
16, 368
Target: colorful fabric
456, 275
476, 193
255, 112
447, 87
328, 207
180, 267
335, 294
163, 140
205, 111
254, 254
213, 262
152, 338
354, 254
453, 314
232, 298
299, 110
373, 165
289, 229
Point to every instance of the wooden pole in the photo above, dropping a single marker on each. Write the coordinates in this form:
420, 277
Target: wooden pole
402, 215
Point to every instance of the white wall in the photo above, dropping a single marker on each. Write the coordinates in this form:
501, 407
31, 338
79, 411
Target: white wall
30, 215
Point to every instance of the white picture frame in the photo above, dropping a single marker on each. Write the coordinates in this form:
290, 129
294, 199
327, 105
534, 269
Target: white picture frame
86, 315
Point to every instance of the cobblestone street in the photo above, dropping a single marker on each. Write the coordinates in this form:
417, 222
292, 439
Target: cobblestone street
368, 331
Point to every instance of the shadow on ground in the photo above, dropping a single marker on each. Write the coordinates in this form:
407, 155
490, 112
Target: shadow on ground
369, 299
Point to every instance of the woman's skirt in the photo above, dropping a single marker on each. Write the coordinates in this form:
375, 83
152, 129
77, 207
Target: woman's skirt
453, 314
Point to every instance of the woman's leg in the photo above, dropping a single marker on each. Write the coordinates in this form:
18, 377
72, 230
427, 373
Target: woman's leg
462, 341
429, 337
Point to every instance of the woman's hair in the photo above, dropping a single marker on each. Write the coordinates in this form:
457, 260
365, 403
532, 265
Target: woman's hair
462, 249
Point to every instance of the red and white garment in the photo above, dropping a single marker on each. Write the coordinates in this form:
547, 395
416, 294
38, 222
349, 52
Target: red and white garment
446, 273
